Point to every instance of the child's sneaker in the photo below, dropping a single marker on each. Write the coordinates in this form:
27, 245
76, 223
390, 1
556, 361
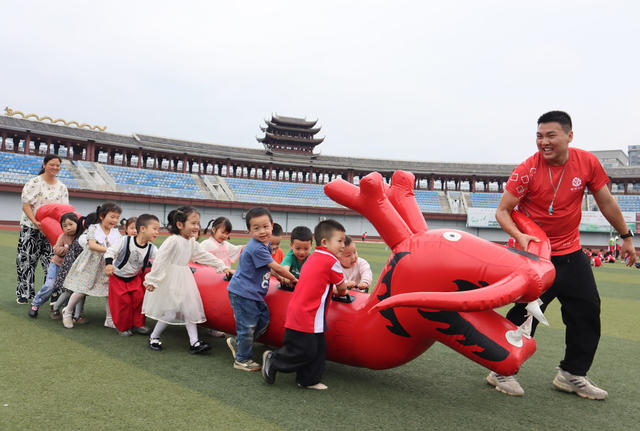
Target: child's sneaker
199, 347
142, 330
108, 323
33, 311
248, 365
53, 313
268, 374
67, 318
215, 333
81, 320
155, 344
231, 342
318, 386
126, 333
567, 382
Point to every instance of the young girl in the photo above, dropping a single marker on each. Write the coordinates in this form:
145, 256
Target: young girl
218, 245
129, 225
87, 276
70, 232
172, 294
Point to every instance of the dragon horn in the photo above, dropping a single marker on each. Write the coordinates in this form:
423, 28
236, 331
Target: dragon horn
371, 201
403, 198
502, 292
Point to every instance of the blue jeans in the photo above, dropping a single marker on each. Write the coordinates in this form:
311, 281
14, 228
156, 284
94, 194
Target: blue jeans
47, 288
252, 320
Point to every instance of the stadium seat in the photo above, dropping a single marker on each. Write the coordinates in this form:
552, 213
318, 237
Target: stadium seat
19, 168
485, 200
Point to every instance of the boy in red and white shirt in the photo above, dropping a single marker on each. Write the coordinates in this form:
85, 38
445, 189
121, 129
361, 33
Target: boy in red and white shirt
304, 347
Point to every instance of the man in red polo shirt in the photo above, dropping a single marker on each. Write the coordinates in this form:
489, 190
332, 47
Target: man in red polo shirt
548, 187
304, 347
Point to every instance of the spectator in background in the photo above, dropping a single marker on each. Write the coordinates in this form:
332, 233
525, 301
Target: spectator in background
32, 244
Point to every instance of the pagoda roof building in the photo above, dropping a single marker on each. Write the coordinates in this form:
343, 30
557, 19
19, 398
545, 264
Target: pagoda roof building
289, 135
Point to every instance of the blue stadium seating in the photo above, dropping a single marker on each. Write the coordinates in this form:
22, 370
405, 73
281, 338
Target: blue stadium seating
154, 183
428, 201
19, 168
485, 200
629, 202
276, 192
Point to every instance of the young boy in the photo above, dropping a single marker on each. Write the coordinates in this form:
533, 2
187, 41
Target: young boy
304, 347
125, 261
301, 243
249, 286
276, 237
357, 272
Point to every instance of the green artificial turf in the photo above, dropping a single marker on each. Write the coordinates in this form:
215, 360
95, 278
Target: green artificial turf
89, 378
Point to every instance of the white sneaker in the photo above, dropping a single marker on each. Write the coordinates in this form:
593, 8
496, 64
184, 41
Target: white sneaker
567, 382
506, 384
317, 386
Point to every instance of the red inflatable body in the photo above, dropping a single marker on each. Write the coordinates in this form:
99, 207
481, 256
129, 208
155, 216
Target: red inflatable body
440, 285
49, 218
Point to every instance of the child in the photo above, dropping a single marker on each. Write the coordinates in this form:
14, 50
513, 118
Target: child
276, 237
304, 346
249, 286
217, 243
301, 243
172, 296
357, 272
86, 275
129, 225
125, 262
70, 231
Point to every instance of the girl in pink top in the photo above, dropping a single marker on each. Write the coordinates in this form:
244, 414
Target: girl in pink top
217, 243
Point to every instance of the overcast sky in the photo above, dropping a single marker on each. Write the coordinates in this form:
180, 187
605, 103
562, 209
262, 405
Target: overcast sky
433, 81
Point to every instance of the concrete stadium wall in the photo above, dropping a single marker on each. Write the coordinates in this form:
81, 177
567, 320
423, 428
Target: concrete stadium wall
11, 207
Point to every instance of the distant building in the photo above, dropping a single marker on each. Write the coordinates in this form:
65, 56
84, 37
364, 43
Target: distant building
613, 158
289, 135
634, 155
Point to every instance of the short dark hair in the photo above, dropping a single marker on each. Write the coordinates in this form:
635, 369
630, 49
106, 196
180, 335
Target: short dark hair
256, 212
301, 233
179, 215
218, 222
557, 117
347, 241
325, 230
144, 220
47, 159
277, 230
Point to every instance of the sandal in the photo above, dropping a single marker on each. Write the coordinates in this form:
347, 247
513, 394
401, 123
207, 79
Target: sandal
155, 344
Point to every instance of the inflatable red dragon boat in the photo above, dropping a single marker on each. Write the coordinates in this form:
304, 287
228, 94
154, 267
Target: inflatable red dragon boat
438, 285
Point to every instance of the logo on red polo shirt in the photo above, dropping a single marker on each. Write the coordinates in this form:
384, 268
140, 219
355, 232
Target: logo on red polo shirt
577, 184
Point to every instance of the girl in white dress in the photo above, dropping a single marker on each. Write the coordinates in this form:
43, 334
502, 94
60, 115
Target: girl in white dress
172, 296
86, 275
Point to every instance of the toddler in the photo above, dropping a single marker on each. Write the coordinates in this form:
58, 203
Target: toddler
357, 272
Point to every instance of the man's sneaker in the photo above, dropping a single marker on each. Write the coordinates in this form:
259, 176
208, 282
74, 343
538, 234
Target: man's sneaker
155, 344
231, 342
215, 333
199, 347
67, 318
248, 365
318, 386
567, 382
142, 330
505, 384
268, 373
33, 311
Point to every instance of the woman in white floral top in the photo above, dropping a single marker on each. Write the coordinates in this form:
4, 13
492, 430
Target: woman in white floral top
32, 244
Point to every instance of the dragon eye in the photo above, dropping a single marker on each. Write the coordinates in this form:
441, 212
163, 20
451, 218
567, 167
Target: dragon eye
452, 236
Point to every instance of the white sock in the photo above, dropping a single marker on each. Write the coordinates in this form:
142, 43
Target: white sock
157, 331
192, 330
